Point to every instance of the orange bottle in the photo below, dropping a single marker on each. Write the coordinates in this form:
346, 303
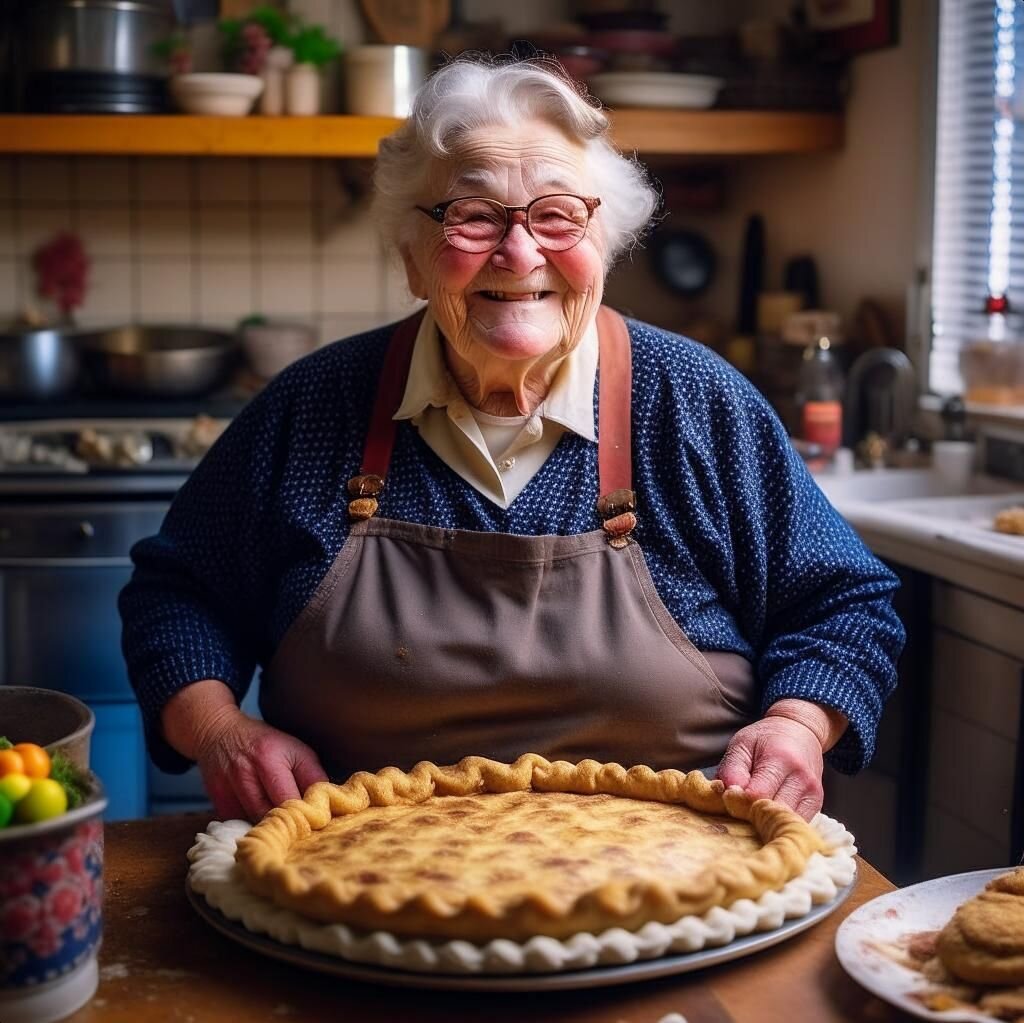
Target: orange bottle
820, 397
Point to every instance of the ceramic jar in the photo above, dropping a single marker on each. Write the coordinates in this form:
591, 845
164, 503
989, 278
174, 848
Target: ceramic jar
279, 60
51, 913
302, 90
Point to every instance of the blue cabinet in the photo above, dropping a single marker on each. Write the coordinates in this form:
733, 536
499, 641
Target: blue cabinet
62, 566
118, 758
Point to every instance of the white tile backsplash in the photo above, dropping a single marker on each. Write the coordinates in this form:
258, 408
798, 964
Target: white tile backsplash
9, 300
337, 328
44, 179
398, 300
165, 291
224, 232
165, 231
285, 289
165, 180
285, 180
106, 230
38, 225
6, 179
351, 286
224, 180
354, 236
225, 292
109, 293
203, 240
285, 231
8, 239
105, 179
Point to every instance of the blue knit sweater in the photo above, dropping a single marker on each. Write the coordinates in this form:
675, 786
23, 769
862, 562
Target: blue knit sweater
746, 553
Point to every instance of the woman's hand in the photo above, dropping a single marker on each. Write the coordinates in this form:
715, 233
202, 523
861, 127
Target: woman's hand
248, 767
780, 757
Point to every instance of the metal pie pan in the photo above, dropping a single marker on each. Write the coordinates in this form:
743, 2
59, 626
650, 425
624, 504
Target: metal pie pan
599, 976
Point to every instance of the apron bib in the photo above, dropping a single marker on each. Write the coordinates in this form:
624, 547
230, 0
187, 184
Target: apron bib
423, 643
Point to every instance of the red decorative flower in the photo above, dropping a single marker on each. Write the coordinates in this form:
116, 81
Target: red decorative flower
20, 917
75, 859
64, 903
46, 941
51, 873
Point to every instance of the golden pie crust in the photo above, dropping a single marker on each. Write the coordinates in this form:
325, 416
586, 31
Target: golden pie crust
483, 850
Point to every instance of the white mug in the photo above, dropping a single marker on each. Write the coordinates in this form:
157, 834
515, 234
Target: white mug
953, 461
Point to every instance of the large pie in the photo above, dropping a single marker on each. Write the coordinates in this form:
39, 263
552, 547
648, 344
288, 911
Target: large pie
484, 850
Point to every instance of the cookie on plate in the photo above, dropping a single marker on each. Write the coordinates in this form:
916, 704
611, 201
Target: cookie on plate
984, 941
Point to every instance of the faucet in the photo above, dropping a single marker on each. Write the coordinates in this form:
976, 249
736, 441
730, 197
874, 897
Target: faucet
880, 400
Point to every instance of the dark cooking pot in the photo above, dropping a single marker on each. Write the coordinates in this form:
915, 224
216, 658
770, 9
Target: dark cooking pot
116, 36
159, 362
38, 364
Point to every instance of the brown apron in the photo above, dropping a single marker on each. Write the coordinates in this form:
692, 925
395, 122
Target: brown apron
423, 643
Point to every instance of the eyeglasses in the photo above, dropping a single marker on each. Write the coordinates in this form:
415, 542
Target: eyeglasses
475, 224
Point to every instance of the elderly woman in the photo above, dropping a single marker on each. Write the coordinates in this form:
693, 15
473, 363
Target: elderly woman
512, 522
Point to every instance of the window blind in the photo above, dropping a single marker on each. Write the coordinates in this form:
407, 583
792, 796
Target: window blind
978, 229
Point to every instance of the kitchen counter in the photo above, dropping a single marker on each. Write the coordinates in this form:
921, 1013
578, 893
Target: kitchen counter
905, 516
160, 961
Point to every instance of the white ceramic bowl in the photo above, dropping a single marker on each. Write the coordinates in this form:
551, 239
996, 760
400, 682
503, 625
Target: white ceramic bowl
216, 94
656, 89
269, 347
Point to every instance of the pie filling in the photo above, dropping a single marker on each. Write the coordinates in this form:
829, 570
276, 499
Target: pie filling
482, 850
498, 843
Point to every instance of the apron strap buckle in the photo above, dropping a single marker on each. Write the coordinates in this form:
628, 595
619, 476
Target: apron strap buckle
617, 511
365, 490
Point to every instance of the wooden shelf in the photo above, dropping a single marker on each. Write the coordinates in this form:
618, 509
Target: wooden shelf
652, 132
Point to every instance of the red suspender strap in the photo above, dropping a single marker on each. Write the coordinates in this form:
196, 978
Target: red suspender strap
617, 502
615, 391
380, 437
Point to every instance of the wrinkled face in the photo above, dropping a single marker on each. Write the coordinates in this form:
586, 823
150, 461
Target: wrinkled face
518, 301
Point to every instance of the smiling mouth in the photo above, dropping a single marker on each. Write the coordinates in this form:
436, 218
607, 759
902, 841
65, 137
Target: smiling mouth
515, 296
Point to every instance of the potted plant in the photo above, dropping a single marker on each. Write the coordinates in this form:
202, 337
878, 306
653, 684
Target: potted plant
312, 49
258, 45
216, 93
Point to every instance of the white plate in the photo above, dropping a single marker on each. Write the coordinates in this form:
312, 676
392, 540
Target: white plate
614, 956
656, 89
597, 976
921, 907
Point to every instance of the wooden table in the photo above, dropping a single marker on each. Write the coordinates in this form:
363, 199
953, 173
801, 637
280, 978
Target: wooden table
161, 961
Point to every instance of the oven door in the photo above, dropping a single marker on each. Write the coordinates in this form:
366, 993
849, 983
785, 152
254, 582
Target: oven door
61, 569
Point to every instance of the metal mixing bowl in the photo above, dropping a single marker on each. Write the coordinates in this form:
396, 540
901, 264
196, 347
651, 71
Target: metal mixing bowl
159, 362
38, 364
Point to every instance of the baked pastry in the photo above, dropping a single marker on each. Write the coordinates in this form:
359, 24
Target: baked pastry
484, 850
1010, 520
984, 940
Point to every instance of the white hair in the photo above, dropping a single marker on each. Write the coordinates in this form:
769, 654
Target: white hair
481, 92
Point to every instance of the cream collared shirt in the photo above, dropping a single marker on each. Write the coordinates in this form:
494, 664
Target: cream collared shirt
496, 455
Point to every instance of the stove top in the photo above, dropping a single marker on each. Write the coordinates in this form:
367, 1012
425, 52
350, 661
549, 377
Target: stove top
78, 447
224, 405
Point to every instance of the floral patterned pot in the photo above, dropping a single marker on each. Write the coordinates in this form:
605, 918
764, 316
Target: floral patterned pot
51, 912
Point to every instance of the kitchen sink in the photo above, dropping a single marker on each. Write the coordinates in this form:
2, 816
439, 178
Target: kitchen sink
873, 486
922, 509
976, 511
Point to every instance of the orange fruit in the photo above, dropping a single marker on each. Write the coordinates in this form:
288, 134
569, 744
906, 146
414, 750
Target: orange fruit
35, 759
11, 762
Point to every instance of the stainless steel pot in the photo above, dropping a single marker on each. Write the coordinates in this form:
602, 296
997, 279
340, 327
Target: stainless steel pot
381, 81
97, 35
159, 362
38, 364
